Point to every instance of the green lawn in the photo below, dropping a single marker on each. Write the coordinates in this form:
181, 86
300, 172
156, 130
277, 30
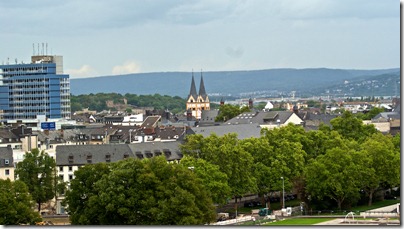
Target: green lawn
299, 221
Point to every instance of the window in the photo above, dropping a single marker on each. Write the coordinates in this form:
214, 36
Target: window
108, 157
70, 177
71, 158
70, 168
7, 172
126, 155
60, 168
89, 158
6, 162
61, 177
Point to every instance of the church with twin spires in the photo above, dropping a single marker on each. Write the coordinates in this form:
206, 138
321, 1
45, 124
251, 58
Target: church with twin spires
196, 103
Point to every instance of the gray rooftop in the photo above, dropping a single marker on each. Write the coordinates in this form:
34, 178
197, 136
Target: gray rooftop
242, 130
99, 153
6, 153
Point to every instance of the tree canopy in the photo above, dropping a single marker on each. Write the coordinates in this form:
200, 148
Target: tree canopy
138, 192
228, 111
37, 171
98, 101
16, 205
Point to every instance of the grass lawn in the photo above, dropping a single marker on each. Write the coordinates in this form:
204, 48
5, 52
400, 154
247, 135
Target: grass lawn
299, 221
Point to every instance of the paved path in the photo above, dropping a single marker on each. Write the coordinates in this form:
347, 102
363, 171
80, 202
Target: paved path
338, 221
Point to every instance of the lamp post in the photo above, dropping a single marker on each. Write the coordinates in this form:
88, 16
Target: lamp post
283, 193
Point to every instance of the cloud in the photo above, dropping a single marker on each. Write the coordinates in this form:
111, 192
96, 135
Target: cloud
234, 52
84, 71
126, 68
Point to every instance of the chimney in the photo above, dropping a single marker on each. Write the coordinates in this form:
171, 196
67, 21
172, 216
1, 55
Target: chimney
189, 115
221, 102
250, 103
295, 109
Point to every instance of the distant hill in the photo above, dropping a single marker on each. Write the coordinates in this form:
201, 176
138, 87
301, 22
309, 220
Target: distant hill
271, 82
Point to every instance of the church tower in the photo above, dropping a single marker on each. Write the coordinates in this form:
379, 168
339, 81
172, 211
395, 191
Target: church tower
197, 102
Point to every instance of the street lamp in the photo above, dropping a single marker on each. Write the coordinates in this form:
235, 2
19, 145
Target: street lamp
283, 193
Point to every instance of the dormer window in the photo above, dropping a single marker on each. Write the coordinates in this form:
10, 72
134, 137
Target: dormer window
71, 159
108, 157
126, 155
89, 158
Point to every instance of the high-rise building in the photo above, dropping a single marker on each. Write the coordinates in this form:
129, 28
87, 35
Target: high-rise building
196, 103
38, 88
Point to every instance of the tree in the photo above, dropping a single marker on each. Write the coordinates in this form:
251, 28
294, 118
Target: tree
139, 192
16, 204
281, 151
82, 189
351, 127
228, 111
37, 171
381, 164
212, 178
335, 174
231, 157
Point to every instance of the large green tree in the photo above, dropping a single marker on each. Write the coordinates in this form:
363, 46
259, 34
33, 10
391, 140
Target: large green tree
282, 151
381, 164
351, 127
227, 153
215, 181
139, 192
16, 205
82, 190
37, 171
335, 175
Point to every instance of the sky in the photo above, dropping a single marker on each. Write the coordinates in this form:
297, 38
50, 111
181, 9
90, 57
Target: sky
104, 37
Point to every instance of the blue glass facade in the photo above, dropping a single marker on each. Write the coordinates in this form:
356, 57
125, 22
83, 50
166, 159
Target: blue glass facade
28, 90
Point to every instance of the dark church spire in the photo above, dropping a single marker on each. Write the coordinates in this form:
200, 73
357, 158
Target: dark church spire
202, 91
192, 92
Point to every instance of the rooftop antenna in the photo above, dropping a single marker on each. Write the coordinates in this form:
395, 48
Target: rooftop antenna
43, 48
16, 61
38, 50
33, 49
46, 53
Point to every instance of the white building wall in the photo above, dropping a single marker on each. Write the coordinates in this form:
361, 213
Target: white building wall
4, 175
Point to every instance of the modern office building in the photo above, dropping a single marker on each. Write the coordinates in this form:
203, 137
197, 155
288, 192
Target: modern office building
38, 88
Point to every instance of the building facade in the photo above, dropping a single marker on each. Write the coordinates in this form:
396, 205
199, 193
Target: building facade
38, 88
196, 103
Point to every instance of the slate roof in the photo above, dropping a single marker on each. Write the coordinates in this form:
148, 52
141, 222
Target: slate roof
192, 91
6, 153
169, 149
386, 116
262, 117
208, 116
315, 119
242, 130
6, 135
202, 91
116, 152
150, 121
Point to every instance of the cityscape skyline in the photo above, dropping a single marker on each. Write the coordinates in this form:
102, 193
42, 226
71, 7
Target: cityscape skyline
99, 38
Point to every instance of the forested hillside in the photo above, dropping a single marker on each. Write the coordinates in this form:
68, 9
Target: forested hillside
110, 101
256, 83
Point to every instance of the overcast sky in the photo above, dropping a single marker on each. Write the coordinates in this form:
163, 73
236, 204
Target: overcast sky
100, 37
